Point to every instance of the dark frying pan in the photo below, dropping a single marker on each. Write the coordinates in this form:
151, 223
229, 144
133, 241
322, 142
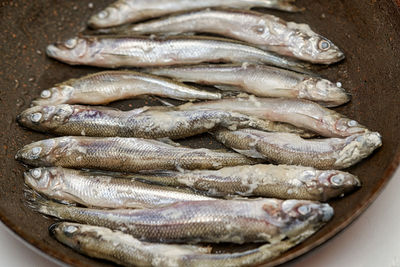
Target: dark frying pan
368, 31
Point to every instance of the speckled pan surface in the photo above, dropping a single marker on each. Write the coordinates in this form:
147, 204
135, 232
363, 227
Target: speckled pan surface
366, 30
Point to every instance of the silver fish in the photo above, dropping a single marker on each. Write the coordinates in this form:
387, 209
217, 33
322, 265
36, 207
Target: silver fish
260, 80
103, 190
147, 122
262, 30
124, 249
300, 113
286, 148
108, 86
213, 221
115, 51
124, 155
278, 181
124, 11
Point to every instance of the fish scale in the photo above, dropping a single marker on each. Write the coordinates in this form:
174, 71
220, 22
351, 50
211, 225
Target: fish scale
214, 221
103, 190
124, 155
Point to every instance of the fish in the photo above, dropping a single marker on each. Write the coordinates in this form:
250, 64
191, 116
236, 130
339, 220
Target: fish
142, 51
213, 221
125, 11
265, 31
286, 148
261, 81
94, 189
124, 249
123, 155
146, 122
301, 113
108, 86
261, 180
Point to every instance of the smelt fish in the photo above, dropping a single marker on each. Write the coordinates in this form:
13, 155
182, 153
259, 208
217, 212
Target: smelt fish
213, 221
286, 148
124, 249
93, 189
124, 155
278, 181
125, 11
118, 51
108, 86
260, 80
147, 122
300, 113
262, 30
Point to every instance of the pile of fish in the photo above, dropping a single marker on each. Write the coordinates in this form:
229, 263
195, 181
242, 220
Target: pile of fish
134, 196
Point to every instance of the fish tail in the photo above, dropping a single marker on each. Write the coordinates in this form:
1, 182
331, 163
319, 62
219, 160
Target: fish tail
39, 203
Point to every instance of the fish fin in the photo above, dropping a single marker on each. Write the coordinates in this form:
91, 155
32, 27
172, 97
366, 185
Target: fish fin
36, 201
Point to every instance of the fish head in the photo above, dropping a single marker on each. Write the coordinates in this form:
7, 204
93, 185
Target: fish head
44, 152
72, 51
323, 90
44, 180
56, 95
70, 234
335, 183
316, 49
302, 215
111, 16
45, 118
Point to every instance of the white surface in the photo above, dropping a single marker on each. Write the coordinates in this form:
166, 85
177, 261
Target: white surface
371, 241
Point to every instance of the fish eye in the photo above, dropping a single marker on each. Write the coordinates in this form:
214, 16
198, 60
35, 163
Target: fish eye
71, 43
304, 210
36, 173
45, 94
102, 15
324, 45
337, 179
352, 123
35, 117
70, 230
36, 151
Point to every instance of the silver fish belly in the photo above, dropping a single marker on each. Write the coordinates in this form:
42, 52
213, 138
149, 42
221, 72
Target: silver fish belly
278, 181
265, 31
300, 113
113, 51
146, 122
285, 148
108, 86
124, 11
124, 155
214, 221
260, 80
124, 249
103, 190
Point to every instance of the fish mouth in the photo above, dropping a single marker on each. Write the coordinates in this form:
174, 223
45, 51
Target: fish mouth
53, 228
51, 50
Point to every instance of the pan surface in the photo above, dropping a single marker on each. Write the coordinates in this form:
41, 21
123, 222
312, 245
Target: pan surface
367, 30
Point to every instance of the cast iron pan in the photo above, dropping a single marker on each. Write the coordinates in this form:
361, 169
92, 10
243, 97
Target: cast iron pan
367, 30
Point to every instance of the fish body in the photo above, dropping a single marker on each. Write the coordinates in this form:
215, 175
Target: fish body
147, 122
103, 190
123, 155
276, 181
285, 148
118, 51
300, 113
124, 249
261, 81
108, 86
262, 30
214, 221
125, 11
